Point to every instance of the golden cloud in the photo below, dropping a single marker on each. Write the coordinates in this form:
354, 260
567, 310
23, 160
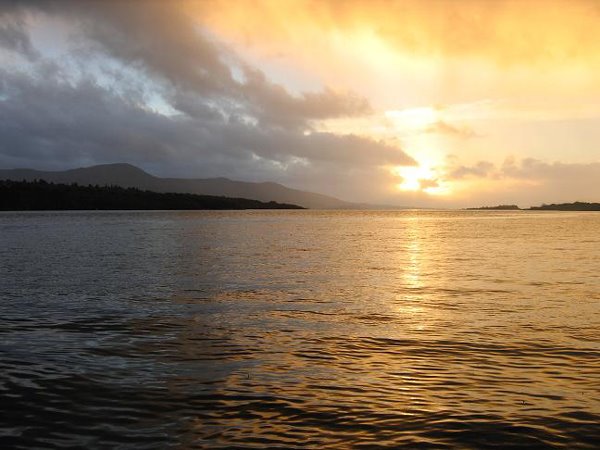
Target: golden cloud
505, 32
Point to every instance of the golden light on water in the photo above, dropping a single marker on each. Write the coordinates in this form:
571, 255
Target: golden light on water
386, 311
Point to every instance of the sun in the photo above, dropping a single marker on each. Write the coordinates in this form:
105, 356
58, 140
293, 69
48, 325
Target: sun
412, 176
421, 178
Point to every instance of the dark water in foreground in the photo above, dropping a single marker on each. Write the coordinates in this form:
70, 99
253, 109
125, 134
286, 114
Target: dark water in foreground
300, 329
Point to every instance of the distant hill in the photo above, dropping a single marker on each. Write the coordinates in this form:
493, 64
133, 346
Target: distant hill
126, 175
41, 195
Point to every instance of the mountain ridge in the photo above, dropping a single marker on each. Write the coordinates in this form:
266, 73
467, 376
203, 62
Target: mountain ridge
127, 175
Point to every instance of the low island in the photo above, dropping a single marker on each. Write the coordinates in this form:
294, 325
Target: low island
575, 206
40, 195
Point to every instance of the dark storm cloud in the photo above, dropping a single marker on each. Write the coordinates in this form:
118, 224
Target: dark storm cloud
160, 38
13, 32
241, 126
46, 122
274, 104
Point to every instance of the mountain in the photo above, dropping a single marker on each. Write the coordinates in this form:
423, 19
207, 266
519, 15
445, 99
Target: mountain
126, 175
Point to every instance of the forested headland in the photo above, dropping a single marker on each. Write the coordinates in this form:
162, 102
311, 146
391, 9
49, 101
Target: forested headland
41, 195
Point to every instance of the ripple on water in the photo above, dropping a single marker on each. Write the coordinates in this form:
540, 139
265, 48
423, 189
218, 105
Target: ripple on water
304, 330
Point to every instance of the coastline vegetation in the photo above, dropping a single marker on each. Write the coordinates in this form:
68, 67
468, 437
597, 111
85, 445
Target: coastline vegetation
44, 196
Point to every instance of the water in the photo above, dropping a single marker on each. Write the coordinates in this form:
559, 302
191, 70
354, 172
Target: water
300, 329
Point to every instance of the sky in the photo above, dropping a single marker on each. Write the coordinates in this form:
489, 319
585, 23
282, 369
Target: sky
407, 103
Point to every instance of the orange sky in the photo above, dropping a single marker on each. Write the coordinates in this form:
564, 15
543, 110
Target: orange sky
455, 83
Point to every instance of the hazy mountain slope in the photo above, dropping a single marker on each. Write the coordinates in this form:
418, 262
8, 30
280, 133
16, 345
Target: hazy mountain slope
127, 175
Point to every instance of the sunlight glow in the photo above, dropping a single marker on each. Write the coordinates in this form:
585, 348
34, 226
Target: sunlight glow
421, 178
413, 117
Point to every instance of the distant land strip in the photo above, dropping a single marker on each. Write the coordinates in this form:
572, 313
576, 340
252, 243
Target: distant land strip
126, 175
499, 207
575, 206
40, 195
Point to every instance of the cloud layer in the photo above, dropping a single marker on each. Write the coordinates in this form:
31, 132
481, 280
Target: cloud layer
320, 95
528, 181
503, 31
152, 88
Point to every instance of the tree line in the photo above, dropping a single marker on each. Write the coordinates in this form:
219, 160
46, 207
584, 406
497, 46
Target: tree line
41, 195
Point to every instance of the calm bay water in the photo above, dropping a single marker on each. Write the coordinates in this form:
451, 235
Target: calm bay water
300, 329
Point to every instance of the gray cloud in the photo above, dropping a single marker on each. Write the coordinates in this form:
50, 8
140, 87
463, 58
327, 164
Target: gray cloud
534, 181
13, 32
241, 126
566, 172
275, 105
166, 43
481, 169
50, 123
527, 169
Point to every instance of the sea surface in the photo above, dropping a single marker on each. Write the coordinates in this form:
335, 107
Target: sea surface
300, 329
